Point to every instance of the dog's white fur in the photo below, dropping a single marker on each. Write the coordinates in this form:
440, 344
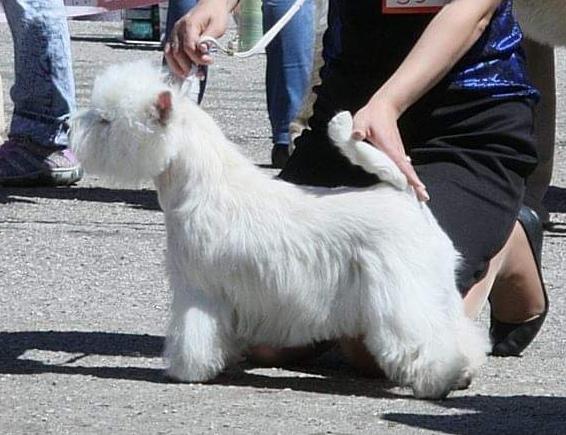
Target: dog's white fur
255, 260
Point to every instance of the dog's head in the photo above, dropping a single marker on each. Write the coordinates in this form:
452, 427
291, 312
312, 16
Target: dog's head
124, 133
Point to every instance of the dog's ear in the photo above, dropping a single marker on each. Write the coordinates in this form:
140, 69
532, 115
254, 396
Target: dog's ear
163, 105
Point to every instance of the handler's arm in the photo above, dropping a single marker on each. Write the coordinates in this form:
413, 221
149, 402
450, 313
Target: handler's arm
452, 32
449, 36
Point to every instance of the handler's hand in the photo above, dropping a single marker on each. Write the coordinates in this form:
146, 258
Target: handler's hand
376, 123
208, 17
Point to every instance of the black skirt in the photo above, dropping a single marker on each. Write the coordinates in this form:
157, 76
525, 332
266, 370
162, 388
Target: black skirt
472, 151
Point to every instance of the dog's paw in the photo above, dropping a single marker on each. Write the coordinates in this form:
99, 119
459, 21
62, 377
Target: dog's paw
230, 374
432, 390
340, 129
435, 379
183, 373
464, 382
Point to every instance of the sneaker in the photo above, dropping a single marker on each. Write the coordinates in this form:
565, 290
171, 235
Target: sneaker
279, 155
24, 163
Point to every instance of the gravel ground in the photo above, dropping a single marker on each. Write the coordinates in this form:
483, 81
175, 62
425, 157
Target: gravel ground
83, 308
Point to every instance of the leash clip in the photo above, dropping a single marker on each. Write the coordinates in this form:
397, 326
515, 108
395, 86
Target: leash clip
264, 41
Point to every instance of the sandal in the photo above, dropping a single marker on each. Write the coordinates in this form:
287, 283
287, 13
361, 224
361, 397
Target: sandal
510, 339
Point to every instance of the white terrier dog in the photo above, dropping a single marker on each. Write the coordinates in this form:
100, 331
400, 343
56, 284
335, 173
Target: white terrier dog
255, 260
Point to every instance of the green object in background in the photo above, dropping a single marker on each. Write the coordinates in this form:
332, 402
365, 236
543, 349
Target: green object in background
142, 24
250, 27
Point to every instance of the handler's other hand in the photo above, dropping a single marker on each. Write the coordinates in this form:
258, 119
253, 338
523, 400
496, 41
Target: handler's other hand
182, 51
376, 123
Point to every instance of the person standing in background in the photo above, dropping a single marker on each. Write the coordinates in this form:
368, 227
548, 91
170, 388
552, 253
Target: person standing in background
289, 66
36, 152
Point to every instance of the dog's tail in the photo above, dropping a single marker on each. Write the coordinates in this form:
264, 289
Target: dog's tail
363, 154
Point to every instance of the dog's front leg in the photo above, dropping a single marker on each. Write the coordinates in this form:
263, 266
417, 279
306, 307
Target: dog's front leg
200, 342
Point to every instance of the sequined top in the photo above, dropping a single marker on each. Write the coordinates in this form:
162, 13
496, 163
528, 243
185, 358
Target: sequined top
370, 39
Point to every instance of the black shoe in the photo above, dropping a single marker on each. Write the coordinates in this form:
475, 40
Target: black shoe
279, 155
510, 339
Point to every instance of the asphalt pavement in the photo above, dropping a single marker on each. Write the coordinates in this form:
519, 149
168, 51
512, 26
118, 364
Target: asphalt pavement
84, 306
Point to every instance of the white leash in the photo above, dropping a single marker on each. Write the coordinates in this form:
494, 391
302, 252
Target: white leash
264, 40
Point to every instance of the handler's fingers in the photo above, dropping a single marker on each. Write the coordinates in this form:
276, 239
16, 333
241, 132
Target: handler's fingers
358, 134
193, 47
397, 154
404, 164
182, 62
190, 38
171, 62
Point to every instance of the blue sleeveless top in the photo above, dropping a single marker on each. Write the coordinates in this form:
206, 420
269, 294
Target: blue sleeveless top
361, 37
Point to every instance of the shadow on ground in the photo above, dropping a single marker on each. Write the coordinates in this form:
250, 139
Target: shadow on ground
476, 414
135, 198
119, 43
555, 202
321, 376
492, 415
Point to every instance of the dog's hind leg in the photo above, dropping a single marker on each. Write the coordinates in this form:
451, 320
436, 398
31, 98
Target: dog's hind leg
414, 342
430, 375
199, 343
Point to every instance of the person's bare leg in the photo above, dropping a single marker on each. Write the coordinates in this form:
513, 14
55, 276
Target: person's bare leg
267, 356
517, 295
477, 296
512, 282
353, 350
358, 357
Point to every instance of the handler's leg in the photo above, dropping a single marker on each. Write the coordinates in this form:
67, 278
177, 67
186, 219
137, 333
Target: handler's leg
512, 282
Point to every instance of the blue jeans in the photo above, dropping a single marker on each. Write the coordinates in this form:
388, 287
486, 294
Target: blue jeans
44, 90
289, 64
289, 59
